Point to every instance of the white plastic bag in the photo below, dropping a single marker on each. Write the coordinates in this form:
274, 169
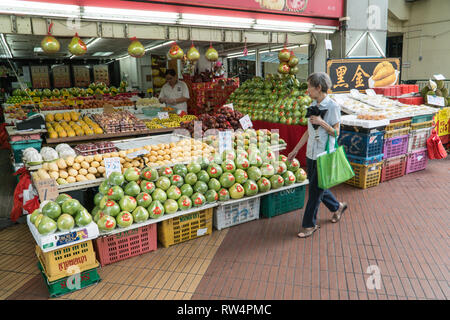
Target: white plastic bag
49, 154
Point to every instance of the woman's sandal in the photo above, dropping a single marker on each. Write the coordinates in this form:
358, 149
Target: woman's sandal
338, 214
308, 232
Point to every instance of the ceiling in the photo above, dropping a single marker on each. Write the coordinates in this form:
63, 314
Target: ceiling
23, 47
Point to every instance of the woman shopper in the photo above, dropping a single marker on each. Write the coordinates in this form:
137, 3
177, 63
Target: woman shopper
318, 85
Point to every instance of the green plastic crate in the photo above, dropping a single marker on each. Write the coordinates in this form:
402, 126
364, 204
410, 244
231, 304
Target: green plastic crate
59, 287
284, 201
19, 146
422, 118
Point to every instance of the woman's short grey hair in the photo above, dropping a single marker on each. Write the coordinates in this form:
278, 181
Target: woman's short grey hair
320, 79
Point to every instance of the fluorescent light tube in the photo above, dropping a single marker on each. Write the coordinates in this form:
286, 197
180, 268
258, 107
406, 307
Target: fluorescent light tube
159, 45
323, 30
91, 43
39, 9
216, 21
97, 13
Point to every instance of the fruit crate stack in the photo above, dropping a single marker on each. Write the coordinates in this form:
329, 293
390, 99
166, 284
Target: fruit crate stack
364, 150
395, 149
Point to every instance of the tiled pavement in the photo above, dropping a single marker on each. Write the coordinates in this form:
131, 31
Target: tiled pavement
401, 226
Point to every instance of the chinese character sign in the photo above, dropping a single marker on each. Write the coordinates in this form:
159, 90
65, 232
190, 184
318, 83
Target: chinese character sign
362, 74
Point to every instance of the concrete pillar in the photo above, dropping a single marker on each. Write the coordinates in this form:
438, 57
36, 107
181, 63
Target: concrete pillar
319, 59
258, 64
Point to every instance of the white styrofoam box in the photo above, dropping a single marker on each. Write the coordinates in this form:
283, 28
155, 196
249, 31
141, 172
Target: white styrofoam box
236, 213
352, 120
61, 239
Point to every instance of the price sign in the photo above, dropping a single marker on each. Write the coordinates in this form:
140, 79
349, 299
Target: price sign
224, 141
229, 105
163, 115
246, 122
47, 189
439, 77
328, 45
112, 165
371, 92
135, 154
437, 101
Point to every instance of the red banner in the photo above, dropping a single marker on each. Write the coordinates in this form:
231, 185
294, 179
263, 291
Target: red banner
330, 9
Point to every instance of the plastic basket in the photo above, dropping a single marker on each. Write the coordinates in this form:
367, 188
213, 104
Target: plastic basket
417, 160
186, 227
365, 161
361, 144
366, 176
230, 215
395, 125
19, 146
70, 284
422, 125
127, 244
61, 263
396, 146
422, 118
418, 139
396, 133
393, 168
284, 201
151, 112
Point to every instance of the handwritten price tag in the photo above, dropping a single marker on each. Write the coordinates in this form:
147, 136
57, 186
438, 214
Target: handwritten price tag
112, 165
437, 101
224, 141
229, 105
439, 77
246, 122
47, 189
163, 115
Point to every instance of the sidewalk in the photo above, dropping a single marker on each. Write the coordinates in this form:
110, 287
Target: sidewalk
401, 227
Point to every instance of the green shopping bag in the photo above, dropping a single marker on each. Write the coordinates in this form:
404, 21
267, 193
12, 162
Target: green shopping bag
333, 168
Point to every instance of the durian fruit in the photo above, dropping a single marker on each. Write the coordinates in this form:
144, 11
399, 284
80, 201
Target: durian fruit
440, 84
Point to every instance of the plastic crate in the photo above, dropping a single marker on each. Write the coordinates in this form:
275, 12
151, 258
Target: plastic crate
444, 139
361, 144
418, 139
127, 244
416, 161
19, 146
284, 201
70, 284
186, 227
232, 214
393, 168
366, 176
398, 124
396, 146
421, 125
61, 263
396, 133
422, 118
365, 161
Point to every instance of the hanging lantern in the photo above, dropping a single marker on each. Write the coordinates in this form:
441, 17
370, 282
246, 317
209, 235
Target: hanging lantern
176, 52
293, 60
77, 47
211, 54
136, 49
193, 54
49, 44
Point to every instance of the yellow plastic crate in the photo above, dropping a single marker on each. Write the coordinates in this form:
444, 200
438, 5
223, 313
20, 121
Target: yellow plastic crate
64, 262
398, 125
184, 228
366, 176
397, 133
421, 125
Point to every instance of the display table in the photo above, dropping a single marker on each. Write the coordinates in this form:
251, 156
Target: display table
291, 134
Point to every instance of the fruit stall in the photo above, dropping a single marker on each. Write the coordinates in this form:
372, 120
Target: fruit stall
142, 202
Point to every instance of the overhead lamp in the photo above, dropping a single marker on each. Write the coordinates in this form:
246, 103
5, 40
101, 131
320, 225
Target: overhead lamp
6, 46
215, 21
102, 54
159, 45
39, 9
99, 13
277, 25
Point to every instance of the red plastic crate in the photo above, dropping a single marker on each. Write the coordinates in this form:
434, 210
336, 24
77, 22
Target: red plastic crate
412, 100
393, 168
417, 160
127, 244
395, 146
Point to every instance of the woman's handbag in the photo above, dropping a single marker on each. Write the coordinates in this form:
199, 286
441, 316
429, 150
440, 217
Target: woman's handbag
333, 168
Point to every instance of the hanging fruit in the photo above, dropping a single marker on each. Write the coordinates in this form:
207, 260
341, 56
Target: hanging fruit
136, 49
176, 52
211, 54
49, 44
159, 81
193, 54
284, 55
77, 47
293, 60
284, 68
